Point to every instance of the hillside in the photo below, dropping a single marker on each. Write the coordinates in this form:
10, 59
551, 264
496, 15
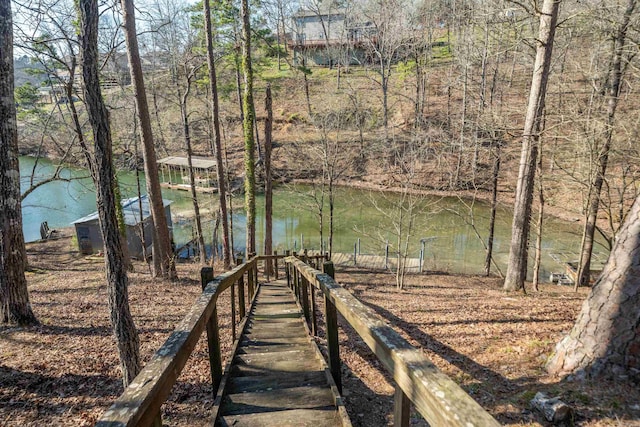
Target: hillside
66, 370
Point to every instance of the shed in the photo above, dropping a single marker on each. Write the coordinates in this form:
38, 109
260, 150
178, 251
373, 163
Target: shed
136, 213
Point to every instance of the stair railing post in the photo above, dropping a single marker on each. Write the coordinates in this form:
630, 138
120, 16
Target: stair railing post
241, 298
275, 266
296, 282
304, 286
314, 318
213, 337
287, 270
331, 321
401, 408
253, 272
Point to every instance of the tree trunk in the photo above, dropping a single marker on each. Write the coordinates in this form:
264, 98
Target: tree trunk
518, 253
494, 206
161, 238
605, 340
616, 73
268, 180
14, 296
220, 175
116, 274
535, 280
249, 143
192, 178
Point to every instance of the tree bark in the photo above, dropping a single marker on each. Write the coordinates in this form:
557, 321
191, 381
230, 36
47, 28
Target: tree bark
14, 295
268, 181
161, 240
116, 274
616, 75
215, 108
247, 125
605, 340
518, 253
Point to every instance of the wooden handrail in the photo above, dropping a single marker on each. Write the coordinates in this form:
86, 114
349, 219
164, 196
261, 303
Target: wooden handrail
141, 401
436, 396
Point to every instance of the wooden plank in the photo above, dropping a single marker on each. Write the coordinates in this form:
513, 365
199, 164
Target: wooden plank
305, 397
297, 417
276, 381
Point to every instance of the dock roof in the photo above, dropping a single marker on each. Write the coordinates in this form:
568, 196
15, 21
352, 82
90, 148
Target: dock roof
130, 210
198, 162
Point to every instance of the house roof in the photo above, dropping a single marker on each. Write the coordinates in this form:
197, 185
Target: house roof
198, 162
130, 210
324, 10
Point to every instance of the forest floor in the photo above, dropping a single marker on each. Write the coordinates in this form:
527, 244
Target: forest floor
66, 372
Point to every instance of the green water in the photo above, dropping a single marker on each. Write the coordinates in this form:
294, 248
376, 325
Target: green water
451, 244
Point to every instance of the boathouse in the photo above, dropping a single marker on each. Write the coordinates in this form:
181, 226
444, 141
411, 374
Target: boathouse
174, 173
137, 218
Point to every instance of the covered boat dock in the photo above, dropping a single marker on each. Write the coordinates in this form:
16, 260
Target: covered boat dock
174, 173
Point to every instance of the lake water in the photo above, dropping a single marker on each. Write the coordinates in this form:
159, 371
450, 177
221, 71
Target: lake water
451, 244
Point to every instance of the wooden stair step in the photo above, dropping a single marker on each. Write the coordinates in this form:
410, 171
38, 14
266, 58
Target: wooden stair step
273, 348
276, 381
290, 418
273, 367
275, 333
265, 342
306, 397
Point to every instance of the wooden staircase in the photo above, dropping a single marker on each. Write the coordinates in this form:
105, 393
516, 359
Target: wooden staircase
277, 376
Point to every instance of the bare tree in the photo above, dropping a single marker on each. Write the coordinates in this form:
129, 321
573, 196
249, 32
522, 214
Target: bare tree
14, 296
215, 111
385, 40
183, 97
518, 253
162, 254
611, 85
268, 179
247, 125
117, 281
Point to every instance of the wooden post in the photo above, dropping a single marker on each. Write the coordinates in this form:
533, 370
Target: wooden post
386, 256
296, 282
355, 253
233, 311
250, 282
304, 287
359, 246
275, 266
331, 320
253, 270
401, 408
241, 298
266, 265
314, 319
213, 337
287, 273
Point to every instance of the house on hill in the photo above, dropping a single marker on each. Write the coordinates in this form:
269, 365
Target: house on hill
137, 218
327, 36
